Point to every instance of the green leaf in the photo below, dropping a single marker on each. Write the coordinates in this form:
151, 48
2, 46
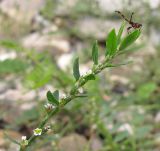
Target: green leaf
39, 75
121, 136
129, 39
145, 90
52, 99
27, 116
56, 94
76, 72
120, 32
95, 52
82, 96
120, 64
131, 49
12, 66
111, 43
143, 131
90, 77
9, 44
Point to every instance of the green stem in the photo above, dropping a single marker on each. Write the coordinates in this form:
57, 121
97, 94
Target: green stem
82, 81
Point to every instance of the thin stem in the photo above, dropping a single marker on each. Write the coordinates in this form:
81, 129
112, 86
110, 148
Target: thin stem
82, 81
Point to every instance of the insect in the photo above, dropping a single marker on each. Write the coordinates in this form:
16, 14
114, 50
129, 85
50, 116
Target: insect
134, 25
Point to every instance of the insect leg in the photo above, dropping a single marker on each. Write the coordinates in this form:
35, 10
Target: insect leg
122, 15
128, 29
131, 17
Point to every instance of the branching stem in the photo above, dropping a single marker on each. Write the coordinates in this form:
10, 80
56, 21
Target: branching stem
73, 94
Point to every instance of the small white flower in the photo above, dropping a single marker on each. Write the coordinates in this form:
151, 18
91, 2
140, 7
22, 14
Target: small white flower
37, 131
24, 138
47, 128
24, 141
88, 73
80, 90
84, 74
49, 106
63, 96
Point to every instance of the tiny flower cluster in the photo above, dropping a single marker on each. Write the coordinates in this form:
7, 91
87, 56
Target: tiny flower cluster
47, 128
64, 96
24, 141
88, 73
80, 90
49, 106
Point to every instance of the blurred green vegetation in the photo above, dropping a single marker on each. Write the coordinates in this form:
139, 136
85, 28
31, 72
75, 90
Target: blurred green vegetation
94, 112
99, 113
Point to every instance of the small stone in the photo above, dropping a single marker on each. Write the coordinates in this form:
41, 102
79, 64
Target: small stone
96, 144
7, 55
95, 27
43, 41
110, 6
73, 142
154, 3
157, 118
6, 142
21, 11
126, 127
65, 60
120, 79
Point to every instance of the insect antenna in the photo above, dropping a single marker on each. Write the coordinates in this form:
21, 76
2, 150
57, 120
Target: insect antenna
122, 16
131, 16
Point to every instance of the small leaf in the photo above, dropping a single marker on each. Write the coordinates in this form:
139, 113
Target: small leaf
52, 99
120, 32
129, 39
144, 91
111, 43
90, 77
95, 53
12, 66
120, 64
133, 48
82, 95
56, 94
76, 73
121, 136
143, 131
9, 44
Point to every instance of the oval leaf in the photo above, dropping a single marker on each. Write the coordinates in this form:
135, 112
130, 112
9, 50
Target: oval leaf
76, 72
120, 32
52, 99
56, 94
9, 44
90, 77
129, 39
111, 43
95, 53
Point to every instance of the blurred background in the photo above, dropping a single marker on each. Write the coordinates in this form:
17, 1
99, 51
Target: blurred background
38, 42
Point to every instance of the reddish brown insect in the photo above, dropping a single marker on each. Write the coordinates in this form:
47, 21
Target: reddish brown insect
133, 24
